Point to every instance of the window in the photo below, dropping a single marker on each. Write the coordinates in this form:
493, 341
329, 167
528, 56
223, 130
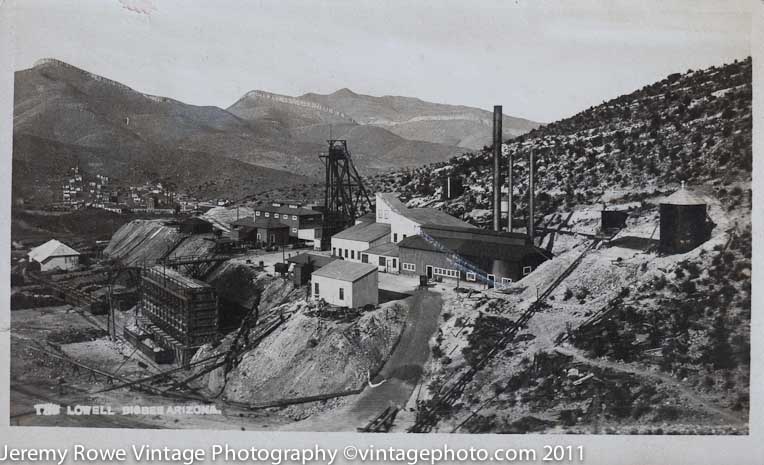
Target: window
294, 217
381, 261
342, 293
491, 278
257, 213
365, 258
446, 272
346, 253
527, 270
395, 237
315, 288
267, 215
294, 230
471, 276
409, 266
275, 215
395, 263
506, 281
352, 254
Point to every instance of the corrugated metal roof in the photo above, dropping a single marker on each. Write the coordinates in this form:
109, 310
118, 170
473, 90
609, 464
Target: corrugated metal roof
434, 216
344, 270
317, 260
52, 248
683, 197
472, 247
299, 211
388, 250
364, 232
268, 223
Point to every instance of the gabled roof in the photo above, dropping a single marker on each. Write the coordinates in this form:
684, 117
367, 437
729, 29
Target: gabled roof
317, 260
286, 209
421, 215
387, 250
248, 221
475, 248
343, 270
364, 232
268, 223
434, 216
52, 248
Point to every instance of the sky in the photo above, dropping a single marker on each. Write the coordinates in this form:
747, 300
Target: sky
542, 60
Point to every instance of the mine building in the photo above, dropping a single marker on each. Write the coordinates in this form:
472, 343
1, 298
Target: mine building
195, 225
303, 224
54, 255
270, 231
244, 230
613, 220
684, 222
346, 284
304, 264
385, 256
180, 312
405, 222
350, 243
469, 254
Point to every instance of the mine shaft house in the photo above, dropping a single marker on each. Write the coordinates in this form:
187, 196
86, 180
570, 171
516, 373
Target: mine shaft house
54, 255
469, 254
346, 284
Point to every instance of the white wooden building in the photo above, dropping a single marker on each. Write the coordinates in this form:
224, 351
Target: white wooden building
346, 284
349, 244
405, 222
54, 255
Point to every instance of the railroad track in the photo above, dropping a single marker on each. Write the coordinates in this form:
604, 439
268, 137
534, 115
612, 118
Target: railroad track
429, 414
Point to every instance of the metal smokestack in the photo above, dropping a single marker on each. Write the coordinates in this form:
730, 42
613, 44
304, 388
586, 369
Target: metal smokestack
497, 115
510, 188
531, 225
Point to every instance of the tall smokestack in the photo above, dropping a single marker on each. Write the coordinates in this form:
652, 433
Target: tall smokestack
510, 189
497, 115
531, 229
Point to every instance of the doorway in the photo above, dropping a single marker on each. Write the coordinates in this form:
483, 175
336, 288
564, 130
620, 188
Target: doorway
429, 271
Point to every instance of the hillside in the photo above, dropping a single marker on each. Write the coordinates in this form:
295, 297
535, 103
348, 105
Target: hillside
375, 149
415, 119
61, 111
693, 127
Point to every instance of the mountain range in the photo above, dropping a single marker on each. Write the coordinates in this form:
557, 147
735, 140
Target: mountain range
63, 113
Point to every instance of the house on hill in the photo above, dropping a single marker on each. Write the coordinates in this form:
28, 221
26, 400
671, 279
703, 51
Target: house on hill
54, 255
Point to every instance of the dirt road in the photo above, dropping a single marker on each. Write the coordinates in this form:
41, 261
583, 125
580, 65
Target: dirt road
398, 377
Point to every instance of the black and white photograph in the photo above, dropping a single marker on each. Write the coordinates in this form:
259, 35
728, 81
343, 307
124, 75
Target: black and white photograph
526, 217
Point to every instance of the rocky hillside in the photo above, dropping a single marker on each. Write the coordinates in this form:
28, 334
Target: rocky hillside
415, 119
693, 126
62, 113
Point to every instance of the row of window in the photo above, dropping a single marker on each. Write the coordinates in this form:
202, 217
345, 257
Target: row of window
445, 272
347, 253
276, 215
409, 266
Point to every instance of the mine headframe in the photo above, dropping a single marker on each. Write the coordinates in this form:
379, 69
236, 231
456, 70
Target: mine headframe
345, 197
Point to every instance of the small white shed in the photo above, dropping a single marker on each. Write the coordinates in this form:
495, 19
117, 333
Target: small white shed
54, 255
346, 284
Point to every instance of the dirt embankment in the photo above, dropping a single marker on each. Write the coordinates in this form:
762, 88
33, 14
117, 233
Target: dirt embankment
142, 241
308, 355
